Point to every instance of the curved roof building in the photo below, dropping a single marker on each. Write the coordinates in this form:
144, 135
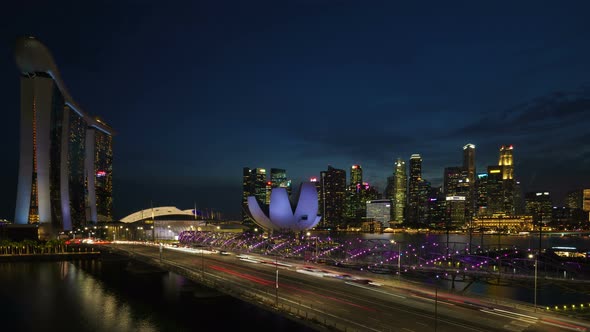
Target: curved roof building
65, 167
283, 216
162, 212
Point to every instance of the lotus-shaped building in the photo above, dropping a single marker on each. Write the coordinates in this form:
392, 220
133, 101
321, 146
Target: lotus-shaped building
280, 211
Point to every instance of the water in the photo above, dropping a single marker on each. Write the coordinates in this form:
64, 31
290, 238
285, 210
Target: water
488, 240
95, 295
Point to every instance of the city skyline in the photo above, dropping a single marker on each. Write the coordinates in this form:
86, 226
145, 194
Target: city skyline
199, 91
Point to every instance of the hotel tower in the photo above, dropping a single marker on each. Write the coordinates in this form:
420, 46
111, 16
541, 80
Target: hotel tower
65, 168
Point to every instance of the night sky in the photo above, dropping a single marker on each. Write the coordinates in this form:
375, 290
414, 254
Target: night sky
197, 90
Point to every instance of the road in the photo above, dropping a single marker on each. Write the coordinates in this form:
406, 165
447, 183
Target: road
353, 301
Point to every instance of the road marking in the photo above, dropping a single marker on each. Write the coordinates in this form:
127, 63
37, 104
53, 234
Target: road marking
373, 289
432, 300
516, 313
519, 323
526, 320
511, 327
573, 328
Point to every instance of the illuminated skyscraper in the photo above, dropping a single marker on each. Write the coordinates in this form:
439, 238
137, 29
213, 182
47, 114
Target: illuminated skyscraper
399, 191
470, 180
355, 202
539, 205
506, 162
317, 184
260, 185
413, 215
494, 190
379, 210
100, 144
356, 175
333, 196
456, 184
267, 190
574, 199
278, 179
65, 167
453, 177
247, 190
469, 161
481, 199
586, 202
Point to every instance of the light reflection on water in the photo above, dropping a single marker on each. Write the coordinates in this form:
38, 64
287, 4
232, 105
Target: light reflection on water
101, 296
529, 241
62, 296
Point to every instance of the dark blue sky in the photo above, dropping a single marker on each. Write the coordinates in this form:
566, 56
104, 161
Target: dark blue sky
199, 89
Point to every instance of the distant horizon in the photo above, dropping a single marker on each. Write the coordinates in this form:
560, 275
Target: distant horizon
557, 200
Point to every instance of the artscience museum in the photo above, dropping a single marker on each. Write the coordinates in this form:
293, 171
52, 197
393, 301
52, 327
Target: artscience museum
282, 215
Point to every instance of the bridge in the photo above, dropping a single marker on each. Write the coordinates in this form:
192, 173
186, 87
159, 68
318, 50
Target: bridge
493, 263
332, 298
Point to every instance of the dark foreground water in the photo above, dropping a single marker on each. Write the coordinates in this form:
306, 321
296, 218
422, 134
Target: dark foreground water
94, 295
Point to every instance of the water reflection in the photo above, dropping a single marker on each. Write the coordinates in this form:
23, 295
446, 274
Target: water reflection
101, 296
462, 241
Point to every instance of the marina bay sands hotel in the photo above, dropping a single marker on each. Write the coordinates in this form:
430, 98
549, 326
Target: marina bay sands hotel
65, 168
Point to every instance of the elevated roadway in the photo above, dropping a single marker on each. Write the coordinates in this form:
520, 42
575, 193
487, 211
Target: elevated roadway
331, 299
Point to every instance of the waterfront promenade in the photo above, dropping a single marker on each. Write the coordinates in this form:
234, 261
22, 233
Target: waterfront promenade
30, 252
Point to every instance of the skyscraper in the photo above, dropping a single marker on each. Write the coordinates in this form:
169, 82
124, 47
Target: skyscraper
494, 190
469, 168
65, 168
356, 175
247, 190
253, 184
414, 189
469, 161
481, 198
333, 196
457, 192
539, 205
278, 179
452, 178
399, 191
355, 202
506, 162
260, 185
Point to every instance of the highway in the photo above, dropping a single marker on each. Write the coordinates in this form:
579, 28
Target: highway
350, 299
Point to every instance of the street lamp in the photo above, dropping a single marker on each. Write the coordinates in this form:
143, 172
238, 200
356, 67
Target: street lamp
277, 279
535, 296
399, 258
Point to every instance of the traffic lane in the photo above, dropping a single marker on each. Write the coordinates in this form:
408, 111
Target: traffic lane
340, 304
342, 301
509, 324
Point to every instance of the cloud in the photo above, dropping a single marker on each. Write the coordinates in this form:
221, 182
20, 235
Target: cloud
557, 111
